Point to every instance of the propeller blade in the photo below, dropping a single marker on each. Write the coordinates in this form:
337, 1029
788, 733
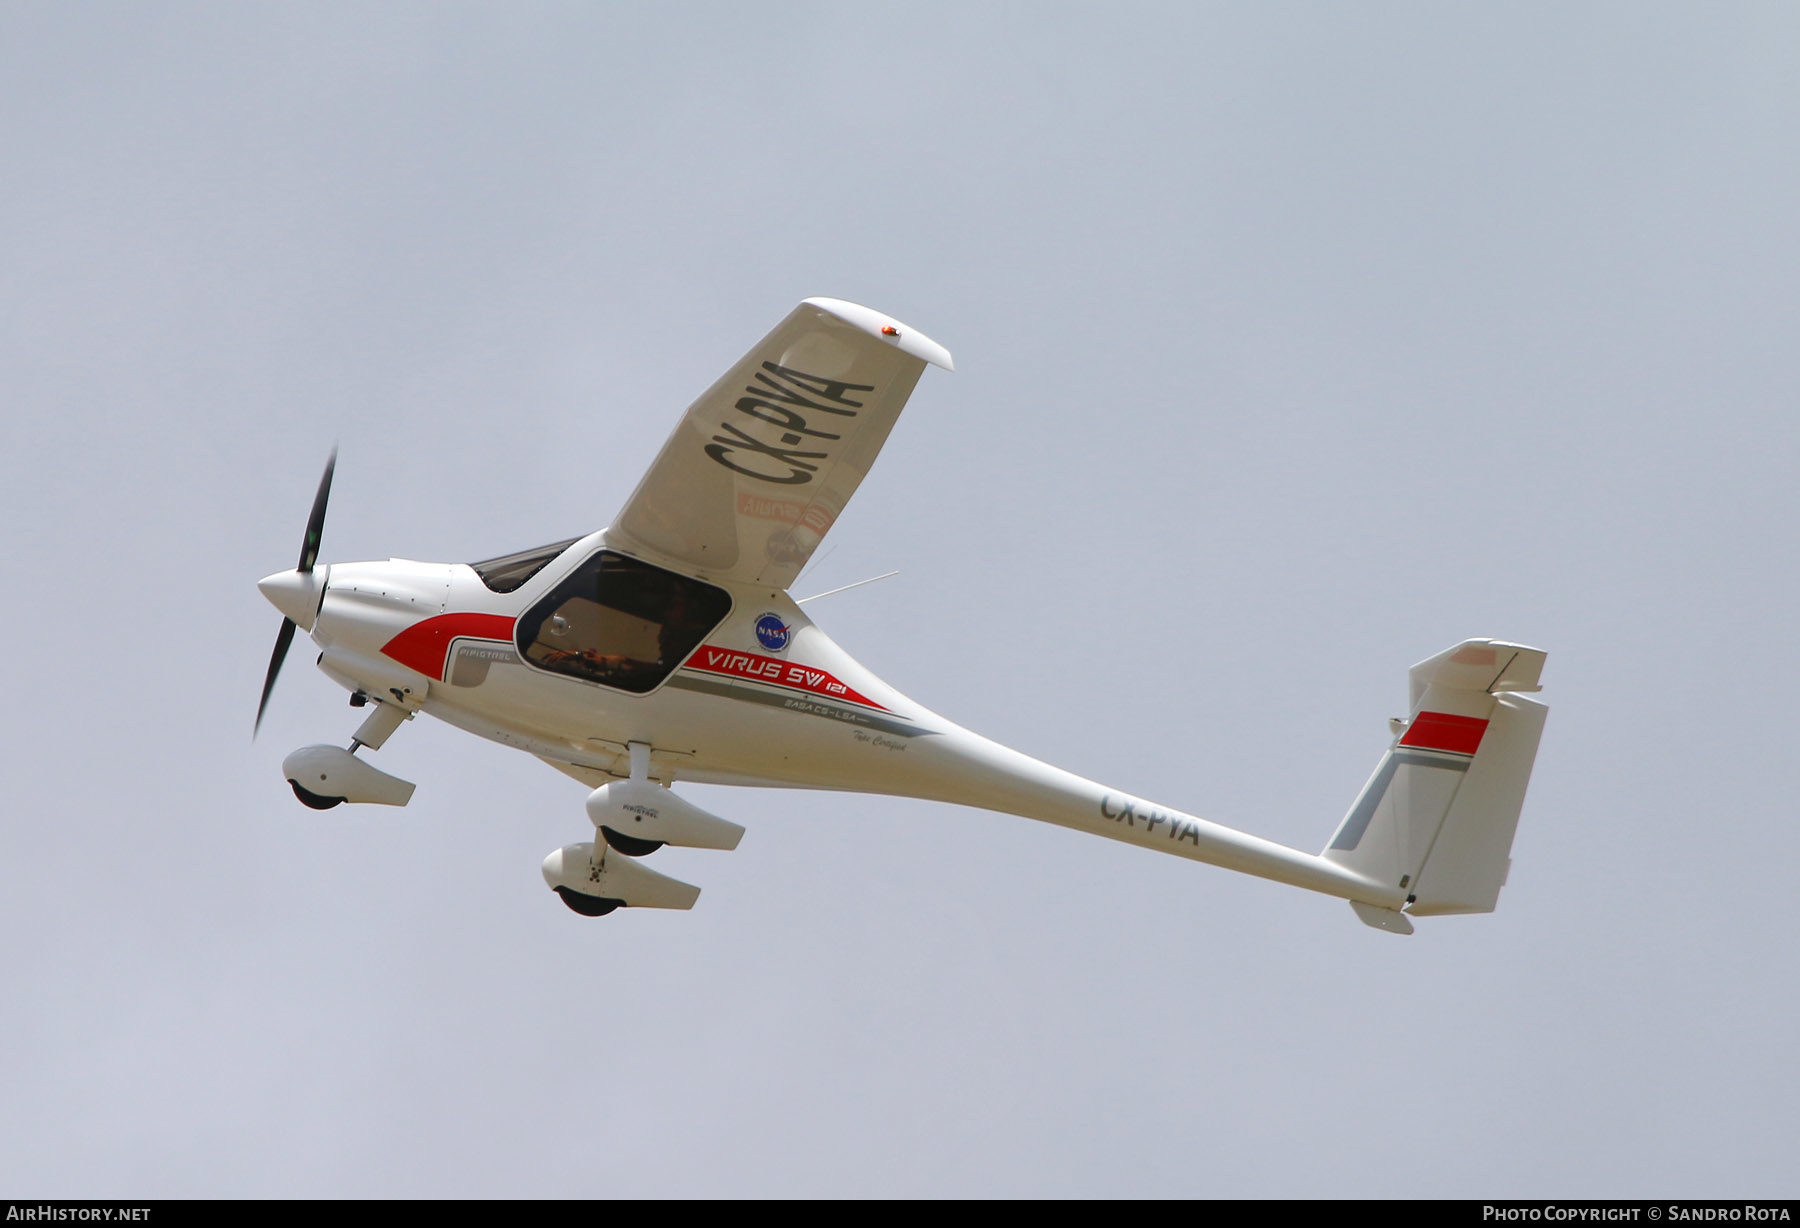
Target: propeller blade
315, 526
309, 555
282, 642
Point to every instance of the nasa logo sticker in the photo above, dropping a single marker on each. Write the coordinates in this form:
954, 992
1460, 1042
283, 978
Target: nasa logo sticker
771, 632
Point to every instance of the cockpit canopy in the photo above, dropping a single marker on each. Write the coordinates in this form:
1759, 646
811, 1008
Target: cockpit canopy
618, 621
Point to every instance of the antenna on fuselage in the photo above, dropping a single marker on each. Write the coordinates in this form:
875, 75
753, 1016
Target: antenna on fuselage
846, 588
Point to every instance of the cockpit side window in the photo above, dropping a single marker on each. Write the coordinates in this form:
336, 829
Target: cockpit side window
620, 622
509, 572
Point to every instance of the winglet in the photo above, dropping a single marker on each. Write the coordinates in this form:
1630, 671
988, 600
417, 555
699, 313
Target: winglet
885, 328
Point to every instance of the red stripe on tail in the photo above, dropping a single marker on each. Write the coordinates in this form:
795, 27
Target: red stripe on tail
1459, 735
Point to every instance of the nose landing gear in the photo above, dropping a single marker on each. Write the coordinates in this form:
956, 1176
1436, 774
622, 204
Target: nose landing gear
327, 776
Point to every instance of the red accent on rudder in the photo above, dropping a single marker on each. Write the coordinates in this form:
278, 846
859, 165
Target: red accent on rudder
1459, 735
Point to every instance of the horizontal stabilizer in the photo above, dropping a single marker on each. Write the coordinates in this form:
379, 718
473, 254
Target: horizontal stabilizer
1488, 666
1389, 919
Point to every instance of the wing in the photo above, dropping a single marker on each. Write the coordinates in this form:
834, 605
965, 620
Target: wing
763, 463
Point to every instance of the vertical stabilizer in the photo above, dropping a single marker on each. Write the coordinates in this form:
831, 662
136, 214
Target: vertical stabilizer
1437, 818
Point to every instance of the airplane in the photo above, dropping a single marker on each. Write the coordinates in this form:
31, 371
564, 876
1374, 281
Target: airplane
666, 648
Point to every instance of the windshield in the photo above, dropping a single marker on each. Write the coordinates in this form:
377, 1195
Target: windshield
510, 571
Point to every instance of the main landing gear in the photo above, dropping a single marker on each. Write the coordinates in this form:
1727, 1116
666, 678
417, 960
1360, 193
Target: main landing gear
588, 905
633, 818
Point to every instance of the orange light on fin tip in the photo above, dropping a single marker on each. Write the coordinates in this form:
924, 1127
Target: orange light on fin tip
888, 330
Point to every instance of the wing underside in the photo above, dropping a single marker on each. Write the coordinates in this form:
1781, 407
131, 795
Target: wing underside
761, 466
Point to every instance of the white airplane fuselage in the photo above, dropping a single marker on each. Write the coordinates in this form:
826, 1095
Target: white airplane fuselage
666, 648
766, 698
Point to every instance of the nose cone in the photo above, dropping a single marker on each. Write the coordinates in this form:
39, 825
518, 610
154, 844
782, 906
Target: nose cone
296, 594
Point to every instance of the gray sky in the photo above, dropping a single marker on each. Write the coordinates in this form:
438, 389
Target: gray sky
1295, 343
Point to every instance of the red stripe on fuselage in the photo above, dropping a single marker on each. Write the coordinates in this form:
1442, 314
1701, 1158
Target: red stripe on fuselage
789, 675
424, 645
1460, 735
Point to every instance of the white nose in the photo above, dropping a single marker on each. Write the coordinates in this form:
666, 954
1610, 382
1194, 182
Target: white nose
295, 593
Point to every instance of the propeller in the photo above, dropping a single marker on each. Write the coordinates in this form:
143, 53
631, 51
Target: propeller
309, 555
